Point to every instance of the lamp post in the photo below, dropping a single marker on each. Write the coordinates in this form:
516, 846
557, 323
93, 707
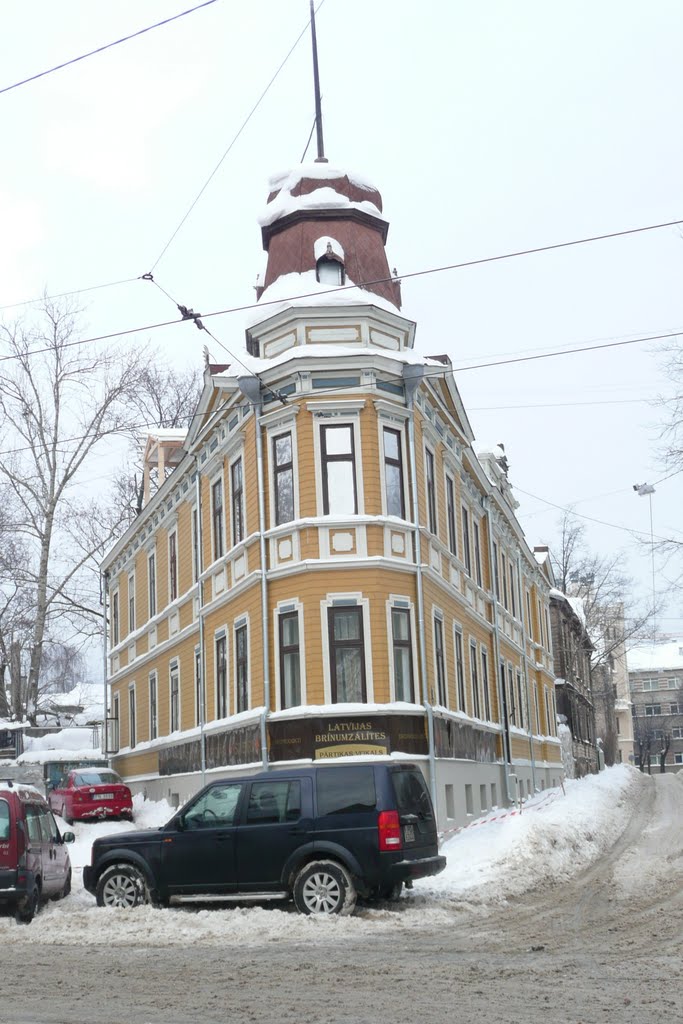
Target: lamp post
647, 490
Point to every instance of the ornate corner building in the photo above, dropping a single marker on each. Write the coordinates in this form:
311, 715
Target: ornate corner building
326, 568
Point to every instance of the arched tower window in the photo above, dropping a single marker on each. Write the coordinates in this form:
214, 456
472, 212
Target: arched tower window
329, 266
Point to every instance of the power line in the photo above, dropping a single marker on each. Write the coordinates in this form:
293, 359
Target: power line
580, 515
107, 46
232, 142
76, 291
559, 405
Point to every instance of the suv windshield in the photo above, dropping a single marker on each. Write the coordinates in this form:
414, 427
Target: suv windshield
412, 796
101, 777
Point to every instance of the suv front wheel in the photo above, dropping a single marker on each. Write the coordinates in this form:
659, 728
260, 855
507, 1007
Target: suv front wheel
121, 885
324, 887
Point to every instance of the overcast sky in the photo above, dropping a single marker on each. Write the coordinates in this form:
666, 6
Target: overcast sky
487, 128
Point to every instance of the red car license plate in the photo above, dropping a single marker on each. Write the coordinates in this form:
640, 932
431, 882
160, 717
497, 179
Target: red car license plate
103, 796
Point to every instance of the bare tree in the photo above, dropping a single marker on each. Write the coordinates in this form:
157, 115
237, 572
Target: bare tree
59, 401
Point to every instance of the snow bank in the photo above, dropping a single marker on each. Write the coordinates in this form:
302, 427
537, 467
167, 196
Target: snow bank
554, 838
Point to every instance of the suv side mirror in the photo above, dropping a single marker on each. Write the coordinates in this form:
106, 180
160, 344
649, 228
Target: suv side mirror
68, 837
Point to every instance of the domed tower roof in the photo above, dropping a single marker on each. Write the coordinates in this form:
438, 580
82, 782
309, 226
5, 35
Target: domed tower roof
318, 213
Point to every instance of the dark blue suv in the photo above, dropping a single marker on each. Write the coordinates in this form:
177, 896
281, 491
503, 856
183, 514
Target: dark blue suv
321, 835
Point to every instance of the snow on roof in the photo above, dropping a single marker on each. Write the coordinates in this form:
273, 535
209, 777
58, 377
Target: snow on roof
7, 726
290, 178
293, 289
657, 657
541, 556
168, 433
327, 245
258, 366
578, 608
64, 740
325, 198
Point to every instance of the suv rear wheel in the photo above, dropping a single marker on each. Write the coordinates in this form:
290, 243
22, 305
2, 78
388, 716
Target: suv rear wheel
324, 887
121, 885
28, 906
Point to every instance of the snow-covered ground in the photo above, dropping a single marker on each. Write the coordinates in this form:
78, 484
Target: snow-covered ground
555, 837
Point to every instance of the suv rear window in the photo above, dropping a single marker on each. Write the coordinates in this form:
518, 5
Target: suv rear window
346, 790
412, 795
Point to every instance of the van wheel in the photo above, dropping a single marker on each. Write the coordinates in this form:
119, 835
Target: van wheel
121, 885
324, 887
28, 907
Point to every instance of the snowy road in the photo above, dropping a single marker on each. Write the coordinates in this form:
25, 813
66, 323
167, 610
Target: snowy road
602, 946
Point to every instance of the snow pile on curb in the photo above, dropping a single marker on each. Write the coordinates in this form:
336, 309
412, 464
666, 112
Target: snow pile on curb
560, 838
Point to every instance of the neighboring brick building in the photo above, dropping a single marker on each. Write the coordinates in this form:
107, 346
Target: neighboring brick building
329, 569
572, 650
656, 682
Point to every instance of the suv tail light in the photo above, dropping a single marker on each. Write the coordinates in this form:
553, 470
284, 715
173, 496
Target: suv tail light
389, 830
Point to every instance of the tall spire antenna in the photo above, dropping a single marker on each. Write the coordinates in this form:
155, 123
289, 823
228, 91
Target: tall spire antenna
321, 158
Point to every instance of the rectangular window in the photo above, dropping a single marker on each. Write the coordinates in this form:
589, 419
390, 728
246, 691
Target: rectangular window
153, 713
450, 514
114, 724
131, 603
195, 546
175, 698
115, 625
152, 584
221, 677
528, 613
477, 553
347, 653
678, 758
431, 491
172, 566
676, 733
403, 655
496, 574
338, 470
485, 685
513, 590
460, 671
676, 709
653, 709
217, 518
547, 628
241, 669
290, 660
513, 711
504, 579
199, 692
132, 724
548, 712
467, 553
441, 697
237, 491
520, 701
283, 478
393, 473
474, 674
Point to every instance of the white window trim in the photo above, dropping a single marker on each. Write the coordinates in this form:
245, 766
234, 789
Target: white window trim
131, 591
285, 607
173, 532
153, 554
194, 539
279, 428
472, 645
448, 474
384, 423
153, 675
236, 456
174, 663
364, 604
457, 628
115, 593
239, 623
212, 483
333, 418
427, 446
222, 631
485, 689
132, 739
401, 602
437, 613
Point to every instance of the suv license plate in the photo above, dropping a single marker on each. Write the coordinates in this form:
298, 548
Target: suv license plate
103, 796
409, 833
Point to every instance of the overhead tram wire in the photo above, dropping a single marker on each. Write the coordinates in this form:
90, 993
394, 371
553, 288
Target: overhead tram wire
74, 291
107, 46
232, 143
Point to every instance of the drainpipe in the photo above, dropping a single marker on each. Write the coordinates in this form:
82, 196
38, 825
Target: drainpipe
104, 590
496, 643
412, 376
200, 602
526, 670
251, 389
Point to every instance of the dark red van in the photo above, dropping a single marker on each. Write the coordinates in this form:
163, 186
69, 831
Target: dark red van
34, 861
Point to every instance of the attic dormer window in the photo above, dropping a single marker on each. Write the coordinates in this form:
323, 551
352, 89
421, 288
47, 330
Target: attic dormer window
329, 265
329, 271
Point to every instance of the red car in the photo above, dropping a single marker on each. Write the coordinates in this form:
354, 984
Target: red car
91, 793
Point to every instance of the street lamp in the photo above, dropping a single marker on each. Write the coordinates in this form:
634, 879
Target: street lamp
647, 490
